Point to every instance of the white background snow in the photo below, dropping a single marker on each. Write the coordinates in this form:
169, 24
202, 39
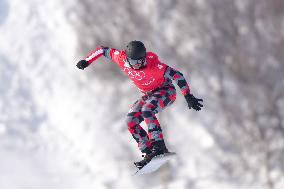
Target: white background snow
63, 128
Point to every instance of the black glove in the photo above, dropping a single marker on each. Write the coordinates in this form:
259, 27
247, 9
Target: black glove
193, 102
82, 64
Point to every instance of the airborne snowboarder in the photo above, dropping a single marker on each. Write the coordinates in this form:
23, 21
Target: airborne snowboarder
154, 79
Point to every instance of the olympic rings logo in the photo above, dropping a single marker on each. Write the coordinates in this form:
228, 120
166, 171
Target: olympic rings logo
138, 75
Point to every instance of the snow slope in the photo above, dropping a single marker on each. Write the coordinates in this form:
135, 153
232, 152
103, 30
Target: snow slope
61, 127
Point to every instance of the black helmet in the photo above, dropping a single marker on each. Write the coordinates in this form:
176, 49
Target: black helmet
135, 50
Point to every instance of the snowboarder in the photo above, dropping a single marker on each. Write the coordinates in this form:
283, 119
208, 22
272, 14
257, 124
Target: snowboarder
154, 79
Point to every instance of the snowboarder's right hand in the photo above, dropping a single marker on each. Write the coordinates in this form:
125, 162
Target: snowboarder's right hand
82, 64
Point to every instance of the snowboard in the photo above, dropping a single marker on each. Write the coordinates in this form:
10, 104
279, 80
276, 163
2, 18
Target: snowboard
155, 163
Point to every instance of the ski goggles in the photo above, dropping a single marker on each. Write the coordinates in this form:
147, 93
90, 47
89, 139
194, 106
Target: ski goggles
135, 62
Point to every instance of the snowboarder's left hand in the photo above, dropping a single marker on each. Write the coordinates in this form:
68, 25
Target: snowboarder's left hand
193, 102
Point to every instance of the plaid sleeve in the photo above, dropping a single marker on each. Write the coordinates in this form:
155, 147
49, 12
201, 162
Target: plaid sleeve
106, 52
178, 77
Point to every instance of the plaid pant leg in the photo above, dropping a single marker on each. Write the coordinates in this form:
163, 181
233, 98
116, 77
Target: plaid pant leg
134, 118
153, 105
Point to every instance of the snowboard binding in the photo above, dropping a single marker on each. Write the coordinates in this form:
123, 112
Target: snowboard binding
159, 148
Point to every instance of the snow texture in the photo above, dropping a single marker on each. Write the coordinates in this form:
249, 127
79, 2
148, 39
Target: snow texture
64, 128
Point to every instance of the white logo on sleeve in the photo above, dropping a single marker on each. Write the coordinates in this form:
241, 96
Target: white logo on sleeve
94, 54
116, 52
160, 66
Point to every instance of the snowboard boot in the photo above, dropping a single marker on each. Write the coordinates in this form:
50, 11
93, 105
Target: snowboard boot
159, 148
